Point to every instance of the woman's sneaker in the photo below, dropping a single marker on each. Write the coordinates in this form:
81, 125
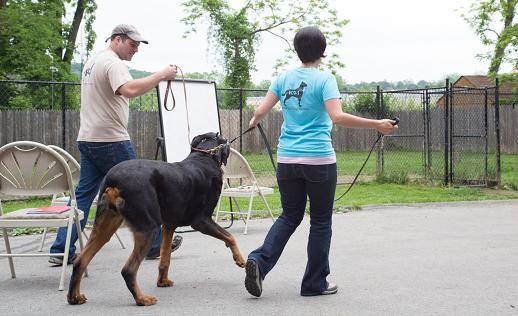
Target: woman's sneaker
253, 280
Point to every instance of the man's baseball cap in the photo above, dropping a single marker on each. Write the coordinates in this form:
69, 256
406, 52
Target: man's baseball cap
128, 30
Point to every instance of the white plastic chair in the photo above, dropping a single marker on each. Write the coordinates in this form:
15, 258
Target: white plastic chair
237, 168
33, 169
62, 198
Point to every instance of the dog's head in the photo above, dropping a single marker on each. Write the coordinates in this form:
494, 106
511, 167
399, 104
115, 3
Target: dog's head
213, 144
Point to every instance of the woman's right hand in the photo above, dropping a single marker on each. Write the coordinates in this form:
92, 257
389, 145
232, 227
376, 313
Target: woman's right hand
386, 126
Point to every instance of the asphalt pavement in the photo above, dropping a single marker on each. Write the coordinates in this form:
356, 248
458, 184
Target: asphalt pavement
424, 259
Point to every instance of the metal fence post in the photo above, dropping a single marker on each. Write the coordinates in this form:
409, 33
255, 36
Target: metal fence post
379, 158
451, 129
428, 141
486, 144
497, 130
446, 138
63, 115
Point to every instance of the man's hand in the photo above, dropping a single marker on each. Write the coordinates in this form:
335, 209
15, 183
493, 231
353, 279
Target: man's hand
169, 72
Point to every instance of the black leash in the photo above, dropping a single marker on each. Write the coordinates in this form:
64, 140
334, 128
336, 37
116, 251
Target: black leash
268, 148
381, 136
265, 139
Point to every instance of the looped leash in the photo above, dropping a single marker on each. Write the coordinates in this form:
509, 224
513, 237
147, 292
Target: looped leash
169, 90
361, 169
381, 136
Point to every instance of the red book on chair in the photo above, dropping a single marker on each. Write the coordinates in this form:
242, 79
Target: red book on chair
57, 209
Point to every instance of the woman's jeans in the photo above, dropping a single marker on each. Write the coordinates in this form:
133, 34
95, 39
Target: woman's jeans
297, 183
96, 159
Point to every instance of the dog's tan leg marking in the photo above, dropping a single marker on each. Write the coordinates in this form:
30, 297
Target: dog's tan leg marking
165, 257
141, 246
106, 223
211, 228
236, 253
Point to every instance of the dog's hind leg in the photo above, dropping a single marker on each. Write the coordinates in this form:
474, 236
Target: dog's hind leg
107, 221
209, 227
141, 247
165, 256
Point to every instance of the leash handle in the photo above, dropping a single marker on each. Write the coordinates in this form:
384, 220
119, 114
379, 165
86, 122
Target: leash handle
169, 90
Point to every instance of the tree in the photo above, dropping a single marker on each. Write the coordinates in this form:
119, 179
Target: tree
35, 36
37, 43
493, 22
82, 6
237, 33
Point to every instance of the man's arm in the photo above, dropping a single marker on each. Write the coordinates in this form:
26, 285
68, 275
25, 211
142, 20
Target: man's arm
138, 87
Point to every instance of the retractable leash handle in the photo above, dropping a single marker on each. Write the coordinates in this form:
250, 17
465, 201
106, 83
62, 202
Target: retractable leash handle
396, 120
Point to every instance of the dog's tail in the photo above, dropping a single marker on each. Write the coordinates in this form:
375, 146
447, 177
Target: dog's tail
109, 201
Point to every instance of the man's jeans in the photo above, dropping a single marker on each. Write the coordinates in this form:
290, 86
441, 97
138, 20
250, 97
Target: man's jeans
96, 159
296, 183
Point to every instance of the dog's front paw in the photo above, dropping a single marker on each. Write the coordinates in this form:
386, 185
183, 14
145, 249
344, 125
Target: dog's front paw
146, 300
240, 262
165, 283
76, 299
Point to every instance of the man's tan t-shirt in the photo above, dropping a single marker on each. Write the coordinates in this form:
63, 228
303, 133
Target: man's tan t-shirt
104, 114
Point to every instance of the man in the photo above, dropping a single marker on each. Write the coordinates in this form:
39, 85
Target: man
103, 139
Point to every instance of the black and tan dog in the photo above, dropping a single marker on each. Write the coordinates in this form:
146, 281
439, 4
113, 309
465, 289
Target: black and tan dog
147, 194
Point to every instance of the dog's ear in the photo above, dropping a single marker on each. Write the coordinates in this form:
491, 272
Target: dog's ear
225, 152
196, 141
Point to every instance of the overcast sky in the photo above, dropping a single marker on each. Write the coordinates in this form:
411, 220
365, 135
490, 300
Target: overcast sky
384, 40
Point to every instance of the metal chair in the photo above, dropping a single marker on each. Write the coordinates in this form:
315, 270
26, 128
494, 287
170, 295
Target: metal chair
63, 199
33, 169
237, 168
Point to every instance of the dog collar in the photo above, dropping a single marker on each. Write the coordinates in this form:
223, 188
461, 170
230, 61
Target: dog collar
211, 151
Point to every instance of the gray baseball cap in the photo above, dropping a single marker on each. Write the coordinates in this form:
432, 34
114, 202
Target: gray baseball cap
128, 30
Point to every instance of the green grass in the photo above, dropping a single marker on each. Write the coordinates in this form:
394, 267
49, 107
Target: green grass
375, 193
468, 165
510, 171
392, 188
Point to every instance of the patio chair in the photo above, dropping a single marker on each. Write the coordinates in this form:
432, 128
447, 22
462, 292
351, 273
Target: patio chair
63, 199
33, 169
238, 169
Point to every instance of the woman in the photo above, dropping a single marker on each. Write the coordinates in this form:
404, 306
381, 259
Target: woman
306, 159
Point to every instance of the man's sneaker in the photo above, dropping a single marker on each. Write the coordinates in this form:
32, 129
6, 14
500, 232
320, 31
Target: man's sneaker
253, 279
175, 244
58, 261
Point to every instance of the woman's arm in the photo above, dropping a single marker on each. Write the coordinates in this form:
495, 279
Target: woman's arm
266, 105
338, 116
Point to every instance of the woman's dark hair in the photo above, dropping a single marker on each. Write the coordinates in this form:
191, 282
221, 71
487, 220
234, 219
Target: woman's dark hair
310, 44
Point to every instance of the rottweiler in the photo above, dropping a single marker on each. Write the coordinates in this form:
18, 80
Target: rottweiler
150, 193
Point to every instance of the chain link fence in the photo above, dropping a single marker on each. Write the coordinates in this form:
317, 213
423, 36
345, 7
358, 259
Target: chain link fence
446, 134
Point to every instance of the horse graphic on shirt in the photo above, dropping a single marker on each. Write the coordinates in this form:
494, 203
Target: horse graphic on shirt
296, 93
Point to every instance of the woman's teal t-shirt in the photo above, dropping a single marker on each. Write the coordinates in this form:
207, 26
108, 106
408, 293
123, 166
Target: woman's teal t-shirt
306, 130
